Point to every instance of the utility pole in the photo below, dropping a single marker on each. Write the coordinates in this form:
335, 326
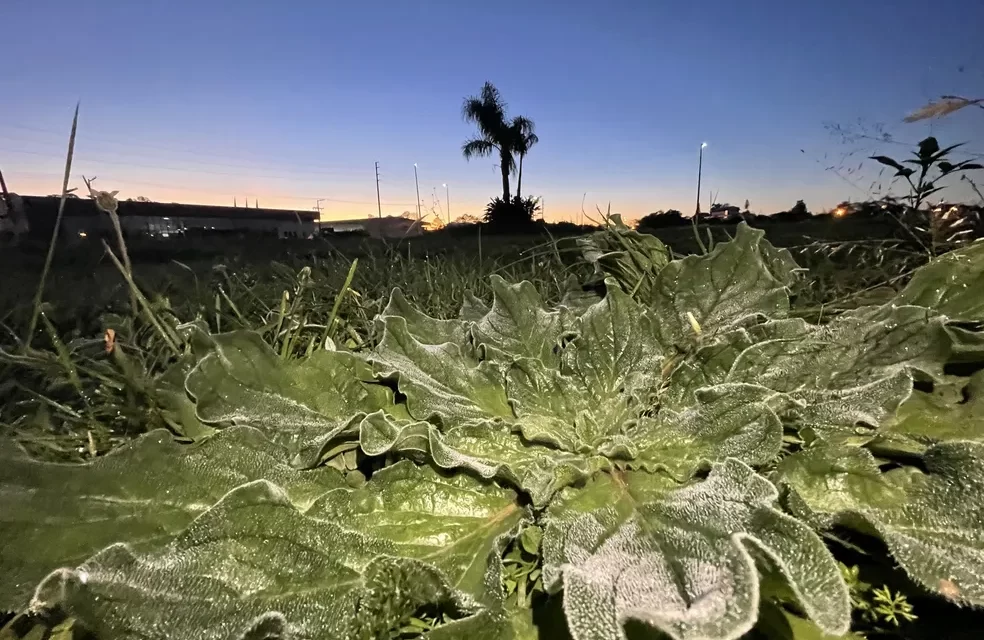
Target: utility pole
317, 207
6, 195
700, 166
417, 184
379, 203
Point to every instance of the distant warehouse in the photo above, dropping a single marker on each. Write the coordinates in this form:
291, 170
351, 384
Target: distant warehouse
81, 219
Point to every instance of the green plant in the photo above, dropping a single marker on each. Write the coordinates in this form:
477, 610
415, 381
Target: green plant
641, 431
876, 606
928, 158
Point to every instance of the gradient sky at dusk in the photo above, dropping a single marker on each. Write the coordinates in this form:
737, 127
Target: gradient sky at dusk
293, 101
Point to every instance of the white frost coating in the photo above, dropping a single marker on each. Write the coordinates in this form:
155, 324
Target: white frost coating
682, 565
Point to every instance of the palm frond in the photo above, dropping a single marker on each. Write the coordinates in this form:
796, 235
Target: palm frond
523, 134
477, 148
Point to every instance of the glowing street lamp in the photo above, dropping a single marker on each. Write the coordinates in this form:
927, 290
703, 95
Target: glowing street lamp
447, 194
700, 166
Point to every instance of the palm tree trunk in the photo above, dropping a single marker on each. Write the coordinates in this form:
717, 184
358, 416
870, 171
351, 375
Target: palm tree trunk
519, 177
504, 162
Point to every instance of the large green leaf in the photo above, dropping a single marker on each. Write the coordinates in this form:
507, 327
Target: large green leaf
727, 421
932, 521
442, 382
720, 290
856, 370
424, 328
684, 561
452, 522
951, 284
488, 449
302, 404
518, 326
953, 410
143, 494
253, 566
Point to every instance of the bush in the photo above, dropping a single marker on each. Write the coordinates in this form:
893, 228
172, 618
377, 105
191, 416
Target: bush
516, 213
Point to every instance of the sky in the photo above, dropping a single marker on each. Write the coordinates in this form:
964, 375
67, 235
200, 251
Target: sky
291, 104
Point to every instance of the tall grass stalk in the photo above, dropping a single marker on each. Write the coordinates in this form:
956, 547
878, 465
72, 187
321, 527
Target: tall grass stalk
167, 333
39, 294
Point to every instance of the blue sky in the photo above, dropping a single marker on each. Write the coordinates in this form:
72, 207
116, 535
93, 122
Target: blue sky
288, 102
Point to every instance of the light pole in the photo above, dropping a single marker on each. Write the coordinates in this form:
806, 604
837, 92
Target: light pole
447, 194
700, 166
417, 184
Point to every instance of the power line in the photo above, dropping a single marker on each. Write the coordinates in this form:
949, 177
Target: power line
280, 196
182, 160
82, 158
132, 143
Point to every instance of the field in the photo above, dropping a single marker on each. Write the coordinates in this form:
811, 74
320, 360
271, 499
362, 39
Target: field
764, 435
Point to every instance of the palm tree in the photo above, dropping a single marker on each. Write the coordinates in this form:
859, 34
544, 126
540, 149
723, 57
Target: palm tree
522, 132
488, 112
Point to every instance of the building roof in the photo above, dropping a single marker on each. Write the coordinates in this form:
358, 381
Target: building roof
82, 207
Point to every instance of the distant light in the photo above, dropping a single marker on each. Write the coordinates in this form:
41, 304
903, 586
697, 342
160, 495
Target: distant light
82, 234
444, 185
415, 164
703, 145
166, 218
839, 212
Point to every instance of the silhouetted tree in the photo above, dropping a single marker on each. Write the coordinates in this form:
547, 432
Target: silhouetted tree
524, 137
799, 210
488, 112
498, 135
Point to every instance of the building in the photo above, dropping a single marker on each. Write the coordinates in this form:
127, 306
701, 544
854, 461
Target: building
393, 227
723, 212
82, 219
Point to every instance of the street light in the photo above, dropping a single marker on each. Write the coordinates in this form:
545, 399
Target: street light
417, 184
447, 194
700, 166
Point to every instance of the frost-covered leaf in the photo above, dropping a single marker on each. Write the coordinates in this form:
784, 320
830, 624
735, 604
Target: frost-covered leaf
608, 372
518, 326
490, 450
53, 515
452, 522
953, 410
951, 284
302, 404
424, 328
686, 561
727, 421
615, 350
440, 381
855, 370
720, 290
932, 521
253, 566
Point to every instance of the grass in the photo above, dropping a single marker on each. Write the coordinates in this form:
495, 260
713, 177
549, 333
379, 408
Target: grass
112, 341
90, 375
